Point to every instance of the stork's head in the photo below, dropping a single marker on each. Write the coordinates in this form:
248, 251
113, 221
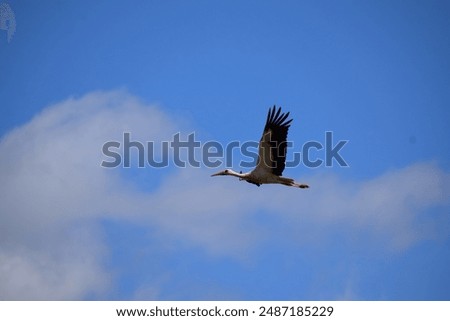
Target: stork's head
221, 173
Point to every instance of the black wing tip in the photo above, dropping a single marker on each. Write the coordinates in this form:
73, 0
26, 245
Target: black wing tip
277, 118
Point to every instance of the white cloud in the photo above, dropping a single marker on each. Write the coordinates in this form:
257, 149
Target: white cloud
68, 269
54, 192
393, 209
53, 187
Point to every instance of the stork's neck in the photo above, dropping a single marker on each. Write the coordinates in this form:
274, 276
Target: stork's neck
233, 173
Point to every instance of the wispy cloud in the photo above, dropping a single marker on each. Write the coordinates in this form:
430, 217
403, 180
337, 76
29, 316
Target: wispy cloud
393, 208
54, 193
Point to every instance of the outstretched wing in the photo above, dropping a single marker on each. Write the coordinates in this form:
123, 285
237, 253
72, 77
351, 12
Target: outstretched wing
273, 143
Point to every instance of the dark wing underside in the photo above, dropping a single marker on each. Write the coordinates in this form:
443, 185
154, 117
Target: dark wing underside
273, 144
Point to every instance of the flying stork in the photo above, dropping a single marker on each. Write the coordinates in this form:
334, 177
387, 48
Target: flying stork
271, 153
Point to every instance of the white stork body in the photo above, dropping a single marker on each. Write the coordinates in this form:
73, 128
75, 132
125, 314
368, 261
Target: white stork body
271, 154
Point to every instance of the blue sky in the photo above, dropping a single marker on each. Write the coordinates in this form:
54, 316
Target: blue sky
77, 74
